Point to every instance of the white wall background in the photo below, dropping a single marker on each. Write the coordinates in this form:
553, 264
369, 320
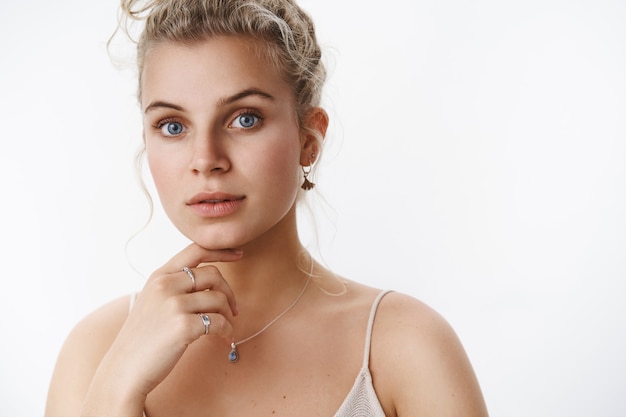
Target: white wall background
476, 161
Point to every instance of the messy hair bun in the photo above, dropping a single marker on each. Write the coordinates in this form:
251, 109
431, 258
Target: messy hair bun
288, 30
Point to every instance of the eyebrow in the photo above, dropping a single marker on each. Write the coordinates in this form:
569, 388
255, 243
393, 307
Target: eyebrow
221, 103
162, 104
243, 94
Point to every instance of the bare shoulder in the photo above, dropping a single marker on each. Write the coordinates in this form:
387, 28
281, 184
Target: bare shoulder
418, 363
81, 354
405, 317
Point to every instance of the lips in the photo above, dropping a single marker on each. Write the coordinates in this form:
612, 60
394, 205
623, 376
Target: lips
213, 205
213, 198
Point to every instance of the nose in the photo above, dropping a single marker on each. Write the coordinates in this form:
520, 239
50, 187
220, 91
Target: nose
209, 154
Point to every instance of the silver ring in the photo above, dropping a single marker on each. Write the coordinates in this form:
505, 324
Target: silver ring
193, 278
206, 322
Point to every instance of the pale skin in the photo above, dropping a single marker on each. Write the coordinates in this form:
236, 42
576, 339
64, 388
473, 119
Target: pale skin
218, 120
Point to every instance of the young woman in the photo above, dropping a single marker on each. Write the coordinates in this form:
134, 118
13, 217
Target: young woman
243, 321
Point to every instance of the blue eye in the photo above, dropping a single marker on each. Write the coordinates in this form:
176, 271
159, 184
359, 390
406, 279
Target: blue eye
246, 120
172, 128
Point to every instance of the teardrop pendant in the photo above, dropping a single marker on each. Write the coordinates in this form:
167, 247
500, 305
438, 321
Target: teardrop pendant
233, 356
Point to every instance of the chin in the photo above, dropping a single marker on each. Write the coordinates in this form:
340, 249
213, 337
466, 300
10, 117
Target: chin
215, 236
215, 246
228, 235
224, 241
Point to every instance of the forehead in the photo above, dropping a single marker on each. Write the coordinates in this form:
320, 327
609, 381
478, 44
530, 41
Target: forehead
213, 67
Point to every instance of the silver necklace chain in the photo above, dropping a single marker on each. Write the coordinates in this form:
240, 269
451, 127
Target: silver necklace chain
233, 356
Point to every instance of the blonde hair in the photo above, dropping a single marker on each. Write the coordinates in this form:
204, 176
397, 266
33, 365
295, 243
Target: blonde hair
288, 31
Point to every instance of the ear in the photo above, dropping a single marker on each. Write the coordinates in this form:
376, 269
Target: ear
313, 132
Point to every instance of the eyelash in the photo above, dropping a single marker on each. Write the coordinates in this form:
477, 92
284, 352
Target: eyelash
164, 122
247, 112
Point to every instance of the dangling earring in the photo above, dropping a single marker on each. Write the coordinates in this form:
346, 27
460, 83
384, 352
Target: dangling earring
307, 185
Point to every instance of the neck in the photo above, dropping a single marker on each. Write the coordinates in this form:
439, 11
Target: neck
270, 276
274, 266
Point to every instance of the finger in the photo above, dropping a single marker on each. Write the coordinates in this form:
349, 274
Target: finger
218, 326
209, 277
194, 254
207, 302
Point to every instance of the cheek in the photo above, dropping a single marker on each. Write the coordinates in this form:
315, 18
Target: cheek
161, 169
154, 165
283, 165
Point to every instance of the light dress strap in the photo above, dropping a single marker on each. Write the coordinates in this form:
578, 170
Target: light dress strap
362, 400
370, 326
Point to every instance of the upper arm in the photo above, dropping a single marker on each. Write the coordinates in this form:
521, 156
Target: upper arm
420, 364
80, 356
